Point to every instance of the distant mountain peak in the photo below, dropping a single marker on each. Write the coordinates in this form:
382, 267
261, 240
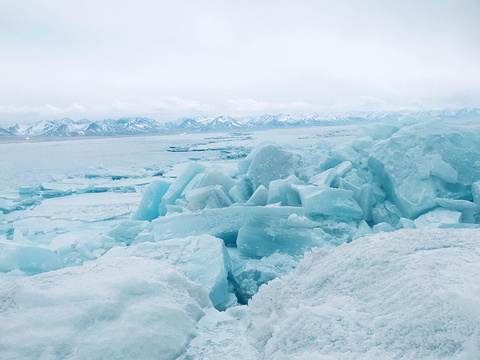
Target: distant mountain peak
67, 127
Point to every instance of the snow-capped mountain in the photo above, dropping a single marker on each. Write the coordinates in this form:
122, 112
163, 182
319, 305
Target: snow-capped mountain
206, 123
69, 128
140, 125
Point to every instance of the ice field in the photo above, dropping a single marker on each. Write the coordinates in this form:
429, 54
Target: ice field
334, 242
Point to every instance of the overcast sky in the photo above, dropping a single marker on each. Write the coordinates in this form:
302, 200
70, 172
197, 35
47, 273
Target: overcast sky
167, 59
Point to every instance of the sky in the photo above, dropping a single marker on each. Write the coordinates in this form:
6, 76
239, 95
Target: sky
170, 59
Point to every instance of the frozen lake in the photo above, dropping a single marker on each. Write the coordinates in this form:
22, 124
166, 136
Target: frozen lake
343, 239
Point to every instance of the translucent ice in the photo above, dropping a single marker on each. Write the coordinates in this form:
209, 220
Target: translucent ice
27, 258
150, 206
126, 231
328, 201
259, 197
203, 259
280, 191
223, 223
213, 196
177, 187
438, 217
262, 238
271, 163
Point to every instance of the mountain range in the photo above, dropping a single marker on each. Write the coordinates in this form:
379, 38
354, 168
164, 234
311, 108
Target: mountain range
140, 125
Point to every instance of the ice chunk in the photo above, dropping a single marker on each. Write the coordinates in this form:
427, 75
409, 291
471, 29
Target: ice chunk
259, 197
213, 196
382, 227
260, 238
405, 224
28, 190
19, 238
417, 162
363, 144
343, 168
30, 259
280, 191
203, 259
365, 200
223, 222
443, 170
216, 177
398, 175
181, 182
324, 178
457, 205
345, 153
476, 192
362, 230
271, 163
328, 201
150, 206
250, 274
437, 217
244, 164
195, 183
128, 308
127, 230
236, 195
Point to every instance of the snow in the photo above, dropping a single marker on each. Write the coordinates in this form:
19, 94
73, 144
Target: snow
410, 294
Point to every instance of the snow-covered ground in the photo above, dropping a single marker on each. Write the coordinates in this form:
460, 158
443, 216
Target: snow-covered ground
152, 247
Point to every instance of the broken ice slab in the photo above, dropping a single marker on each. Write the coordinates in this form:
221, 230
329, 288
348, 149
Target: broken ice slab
382, 227
260, 238
476, 192
150, 206
177, 187
438, 217
223, 222
405, 224
362, 230
244, 164
458, 205
259, 197
88, 207
328, 201
217, 177
29, 259
127, 230
250, 274
417, 162
213, 196
203, 259
324, 178
271, 163
412, 194
280, 191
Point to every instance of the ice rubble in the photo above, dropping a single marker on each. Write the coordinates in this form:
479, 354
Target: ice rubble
412, 294
289, 200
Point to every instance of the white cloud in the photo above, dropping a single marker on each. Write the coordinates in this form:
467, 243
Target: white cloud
175, 103
46, 109
172, 104
251, 105
371, 100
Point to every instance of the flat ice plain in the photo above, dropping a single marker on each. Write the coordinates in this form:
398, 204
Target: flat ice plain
335, 242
